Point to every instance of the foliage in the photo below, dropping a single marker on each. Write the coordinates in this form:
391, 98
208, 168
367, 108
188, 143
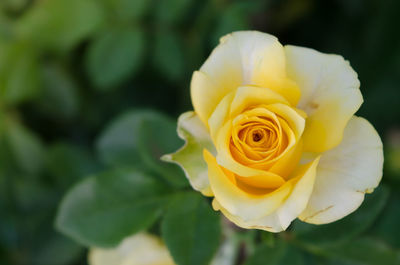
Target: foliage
89, 94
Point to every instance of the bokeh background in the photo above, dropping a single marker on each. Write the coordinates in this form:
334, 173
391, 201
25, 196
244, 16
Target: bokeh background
70, 67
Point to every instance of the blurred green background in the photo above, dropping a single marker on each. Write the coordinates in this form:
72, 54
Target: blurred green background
77, 75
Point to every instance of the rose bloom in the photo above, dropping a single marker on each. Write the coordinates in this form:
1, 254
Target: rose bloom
140, 249
273, 136
147, 249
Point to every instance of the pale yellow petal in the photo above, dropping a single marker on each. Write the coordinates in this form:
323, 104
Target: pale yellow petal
290, 208
330, 95
268, 180
300, 196
190, 156
220, 115
99, 256
140, 249
251, 96
239, 202
242, 58
268, 223
291, 116
263, 63
221, 73
289, 161
346, 173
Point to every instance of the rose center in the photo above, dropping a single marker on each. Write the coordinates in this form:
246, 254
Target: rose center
257, 136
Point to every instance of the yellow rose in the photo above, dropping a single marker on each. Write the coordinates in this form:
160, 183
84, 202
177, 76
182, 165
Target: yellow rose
273, 136
140, 249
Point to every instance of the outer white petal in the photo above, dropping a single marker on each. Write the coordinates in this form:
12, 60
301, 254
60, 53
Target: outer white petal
346, 173
330, 94
140, 249
190, 156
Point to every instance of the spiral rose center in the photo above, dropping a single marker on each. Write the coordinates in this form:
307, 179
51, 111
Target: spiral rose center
257, 136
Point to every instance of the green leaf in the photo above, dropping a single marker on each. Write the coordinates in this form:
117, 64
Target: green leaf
292, 256
102, 210
56, 250
7, 161
172, 11
8, 231
67, 163
387, 227
229, 248
168, 55
279, 254
26, 148
114, 56
265, 254
141, 137
13, 5
31, 196
347, 228
362, 251
234, 17
60, 88
59, 24
19, 73
191, 230
129, 10
118, 144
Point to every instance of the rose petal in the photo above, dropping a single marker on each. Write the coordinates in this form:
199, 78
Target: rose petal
190, 156
239, 202
226, 160
250, 96
242, 167
140, 249
330, 95
263, 61
291, 116
346, 173
290, 208
241, 58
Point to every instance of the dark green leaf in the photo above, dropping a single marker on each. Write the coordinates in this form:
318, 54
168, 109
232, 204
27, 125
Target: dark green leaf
61, 90
7, 161
8, 231
67, 163
233, 18
104, 209
142, 137
57, 250
26, 148
191, 230
362, 251
387, 226
168, 55
347, 228
114, 56
279, 254
118, 143
59, 24
32, 195
172, 11
129, 10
